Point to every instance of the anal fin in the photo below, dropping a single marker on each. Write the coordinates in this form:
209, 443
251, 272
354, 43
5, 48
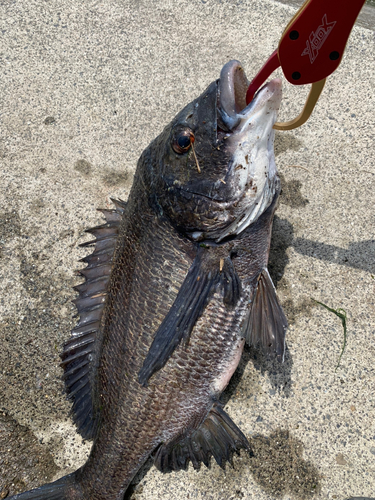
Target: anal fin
217, 436
266, 323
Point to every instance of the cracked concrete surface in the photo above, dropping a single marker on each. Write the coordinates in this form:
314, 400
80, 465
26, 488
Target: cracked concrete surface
84, 88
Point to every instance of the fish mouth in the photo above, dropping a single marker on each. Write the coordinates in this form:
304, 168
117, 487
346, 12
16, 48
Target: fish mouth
249, 134
233, 85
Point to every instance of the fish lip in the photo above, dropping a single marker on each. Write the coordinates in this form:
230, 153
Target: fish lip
233, 85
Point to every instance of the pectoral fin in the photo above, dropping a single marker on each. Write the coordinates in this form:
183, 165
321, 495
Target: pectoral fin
266, 323
202, 278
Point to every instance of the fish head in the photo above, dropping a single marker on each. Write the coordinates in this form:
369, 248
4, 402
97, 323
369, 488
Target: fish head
216, 173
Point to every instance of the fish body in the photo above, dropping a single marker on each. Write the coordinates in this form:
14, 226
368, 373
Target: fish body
176, 284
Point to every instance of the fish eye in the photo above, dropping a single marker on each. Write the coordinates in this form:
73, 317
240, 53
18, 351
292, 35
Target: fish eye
182, 141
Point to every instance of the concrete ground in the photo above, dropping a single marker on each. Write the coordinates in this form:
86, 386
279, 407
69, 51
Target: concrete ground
85, 86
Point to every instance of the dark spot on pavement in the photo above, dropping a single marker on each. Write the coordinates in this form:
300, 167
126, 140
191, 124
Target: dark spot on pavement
285, 141
83, 167
292, 311
278, 466
38, 283
291, 193
67, 233
49, 120
10, 225
36, 205
24, 463
115, 178
32, 279
340, 459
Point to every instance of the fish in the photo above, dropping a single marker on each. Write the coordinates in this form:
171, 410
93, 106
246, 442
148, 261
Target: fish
176, 285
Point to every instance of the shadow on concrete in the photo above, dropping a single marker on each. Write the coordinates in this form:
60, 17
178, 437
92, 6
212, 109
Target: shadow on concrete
281, 240
277, 466
279, 374
24, 462
276, 463
359, 255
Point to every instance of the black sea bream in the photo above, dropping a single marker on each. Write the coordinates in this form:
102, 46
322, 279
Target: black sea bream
176, 285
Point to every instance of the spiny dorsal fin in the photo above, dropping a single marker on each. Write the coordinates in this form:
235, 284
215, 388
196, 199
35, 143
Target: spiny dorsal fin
217, 436
266, 323
80, 353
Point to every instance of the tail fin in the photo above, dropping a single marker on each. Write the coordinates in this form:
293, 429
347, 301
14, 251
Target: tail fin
65, 488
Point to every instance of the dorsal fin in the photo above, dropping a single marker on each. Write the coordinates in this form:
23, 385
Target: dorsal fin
80, 353
217, 436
